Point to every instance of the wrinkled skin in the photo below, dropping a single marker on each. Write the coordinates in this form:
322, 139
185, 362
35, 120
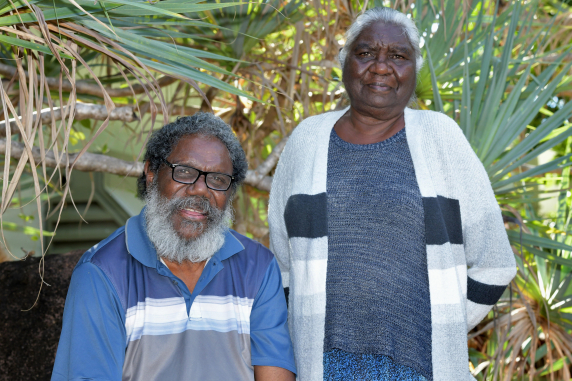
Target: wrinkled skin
379, 77
204, 153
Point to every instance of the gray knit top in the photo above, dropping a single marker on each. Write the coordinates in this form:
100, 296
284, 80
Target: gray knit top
377, 284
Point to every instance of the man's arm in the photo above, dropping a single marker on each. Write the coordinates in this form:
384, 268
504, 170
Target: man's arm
92, 343
272, 373
271, 348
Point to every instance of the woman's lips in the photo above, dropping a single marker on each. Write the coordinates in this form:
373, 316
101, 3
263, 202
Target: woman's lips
379, 86
193, 214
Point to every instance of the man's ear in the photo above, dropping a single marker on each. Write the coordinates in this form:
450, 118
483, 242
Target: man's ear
149, 175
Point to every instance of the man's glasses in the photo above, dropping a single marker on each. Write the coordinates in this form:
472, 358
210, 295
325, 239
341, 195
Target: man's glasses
189, 175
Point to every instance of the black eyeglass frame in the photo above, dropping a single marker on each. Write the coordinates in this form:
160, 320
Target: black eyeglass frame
173, 166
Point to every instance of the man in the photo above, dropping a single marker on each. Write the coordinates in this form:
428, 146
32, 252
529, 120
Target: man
176, 295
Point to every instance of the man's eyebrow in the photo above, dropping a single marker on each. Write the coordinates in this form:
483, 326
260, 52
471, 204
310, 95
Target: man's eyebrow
186, 162
195, 164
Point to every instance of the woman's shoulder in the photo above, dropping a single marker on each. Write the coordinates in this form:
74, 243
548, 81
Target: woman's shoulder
431, 119
317, 123
434, 125
437, 130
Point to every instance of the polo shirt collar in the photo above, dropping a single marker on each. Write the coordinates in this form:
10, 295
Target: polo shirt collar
141, 248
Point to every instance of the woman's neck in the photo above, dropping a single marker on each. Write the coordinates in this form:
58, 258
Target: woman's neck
358, 128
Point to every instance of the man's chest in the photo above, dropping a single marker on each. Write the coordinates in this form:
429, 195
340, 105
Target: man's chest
166, 339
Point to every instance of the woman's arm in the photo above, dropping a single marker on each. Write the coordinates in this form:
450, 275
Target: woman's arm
279, 194
489, 257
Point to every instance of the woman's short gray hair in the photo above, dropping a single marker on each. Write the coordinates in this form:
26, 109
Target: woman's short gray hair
386, 16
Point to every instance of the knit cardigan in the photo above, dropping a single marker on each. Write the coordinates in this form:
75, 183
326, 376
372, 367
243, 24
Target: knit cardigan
469, 258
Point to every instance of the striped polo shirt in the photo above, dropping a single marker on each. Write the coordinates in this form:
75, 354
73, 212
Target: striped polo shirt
127, 317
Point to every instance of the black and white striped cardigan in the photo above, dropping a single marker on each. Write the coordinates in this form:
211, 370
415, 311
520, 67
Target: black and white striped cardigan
469, 258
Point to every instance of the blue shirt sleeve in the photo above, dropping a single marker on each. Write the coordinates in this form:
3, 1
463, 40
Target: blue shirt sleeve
269, 336
93, 340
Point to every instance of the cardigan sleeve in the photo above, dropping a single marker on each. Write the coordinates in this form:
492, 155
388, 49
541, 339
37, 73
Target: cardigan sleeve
490, 260
279, 194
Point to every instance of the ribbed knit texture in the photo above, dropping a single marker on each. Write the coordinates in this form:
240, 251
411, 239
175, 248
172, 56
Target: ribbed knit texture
343, 366
377, 285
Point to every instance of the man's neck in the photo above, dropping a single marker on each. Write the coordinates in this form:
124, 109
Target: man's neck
189, 272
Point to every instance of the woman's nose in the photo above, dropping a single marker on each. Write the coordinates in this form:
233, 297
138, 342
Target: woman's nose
381, 65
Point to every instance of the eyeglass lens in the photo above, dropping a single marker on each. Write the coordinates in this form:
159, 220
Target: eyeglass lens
187, 175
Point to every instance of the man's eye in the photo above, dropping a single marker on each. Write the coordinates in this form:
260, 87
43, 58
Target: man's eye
184, 172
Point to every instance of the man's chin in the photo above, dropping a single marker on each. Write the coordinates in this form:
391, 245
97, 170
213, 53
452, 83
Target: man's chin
190, 236
188, 229
180, 239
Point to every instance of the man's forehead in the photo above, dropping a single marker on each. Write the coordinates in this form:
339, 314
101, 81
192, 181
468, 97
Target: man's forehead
189, 139
196, 135
201, 149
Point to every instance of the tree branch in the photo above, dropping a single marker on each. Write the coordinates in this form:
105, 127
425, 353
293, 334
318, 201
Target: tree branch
91, 162
258, 178
84, 87
88, 162
82, 111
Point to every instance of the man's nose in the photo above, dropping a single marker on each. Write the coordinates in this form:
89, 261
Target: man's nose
199, 187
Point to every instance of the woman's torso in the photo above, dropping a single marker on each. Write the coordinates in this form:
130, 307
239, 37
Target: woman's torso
378, 312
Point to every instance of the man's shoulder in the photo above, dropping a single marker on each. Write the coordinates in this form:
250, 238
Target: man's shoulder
113, 259
255, 257
253, 248
108, 252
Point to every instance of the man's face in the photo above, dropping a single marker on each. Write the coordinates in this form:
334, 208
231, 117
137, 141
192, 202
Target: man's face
207, 154
379, 72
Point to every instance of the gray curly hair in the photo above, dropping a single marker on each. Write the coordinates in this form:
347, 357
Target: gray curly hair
164, 140
386, 16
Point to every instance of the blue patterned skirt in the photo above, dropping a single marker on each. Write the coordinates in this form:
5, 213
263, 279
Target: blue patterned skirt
344, 366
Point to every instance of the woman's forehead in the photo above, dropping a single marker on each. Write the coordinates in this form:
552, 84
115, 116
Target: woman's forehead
383, 33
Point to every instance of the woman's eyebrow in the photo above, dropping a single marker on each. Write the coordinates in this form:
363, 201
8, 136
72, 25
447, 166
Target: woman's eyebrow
400, 49
362, 45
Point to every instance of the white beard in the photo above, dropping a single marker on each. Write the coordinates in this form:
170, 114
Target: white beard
169, 244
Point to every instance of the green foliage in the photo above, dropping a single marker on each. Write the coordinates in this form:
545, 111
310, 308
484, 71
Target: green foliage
500, 95
110, 28
532, 334
493, 76
243, 26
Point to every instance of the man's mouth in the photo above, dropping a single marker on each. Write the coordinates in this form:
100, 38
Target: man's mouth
193, 214
195, 210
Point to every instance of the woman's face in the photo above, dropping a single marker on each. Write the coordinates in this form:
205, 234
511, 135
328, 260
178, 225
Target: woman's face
379, 74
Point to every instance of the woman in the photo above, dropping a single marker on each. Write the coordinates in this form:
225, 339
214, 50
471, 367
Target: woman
385, 225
